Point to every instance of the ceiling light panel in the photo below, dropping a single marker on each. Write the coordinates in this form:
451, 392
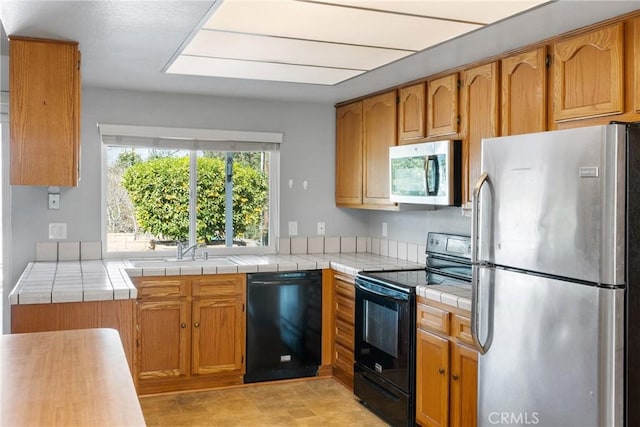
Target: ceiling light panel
477, 11
316, 21
232, 68
219, 44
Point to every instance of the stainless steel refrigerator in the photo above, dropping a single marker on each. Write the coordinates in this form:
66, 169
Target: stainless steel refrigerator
556, 277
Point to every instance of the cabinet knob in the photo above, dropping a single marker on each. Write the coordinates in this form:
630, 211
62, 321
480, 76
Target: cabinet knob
196, 325
183, 325
455, 377
441, 371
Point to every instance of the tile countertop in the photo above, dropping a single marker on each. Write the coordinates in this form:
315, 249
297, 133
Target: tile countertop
102, 280
453, 295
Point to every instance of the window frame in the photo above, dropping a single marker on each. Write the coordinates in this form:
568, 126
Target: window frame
194, 141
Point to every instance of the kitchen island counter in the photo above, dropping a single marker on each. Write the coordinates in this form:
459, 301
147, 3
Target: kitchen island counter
71, 378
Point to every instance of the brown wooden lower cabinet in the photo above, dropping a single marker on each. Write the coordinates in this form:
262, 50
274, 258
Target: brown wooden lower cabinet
446, 368
115, 314
343, 328
190, 332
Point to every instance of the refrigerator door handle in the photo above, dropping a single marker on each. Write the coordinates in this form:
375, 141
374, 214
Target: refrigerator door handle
475, 200
475, 300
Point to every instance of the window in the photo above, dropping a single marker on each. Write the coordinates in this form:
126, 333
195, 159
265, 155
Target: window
218, 195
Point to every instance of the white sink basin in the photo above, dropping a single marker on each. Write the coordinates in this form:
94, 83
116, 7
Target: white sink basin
185, 262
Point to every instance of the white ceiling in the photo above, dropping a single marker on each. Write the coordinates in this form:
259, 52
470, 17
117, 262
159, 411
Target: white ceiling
127, 44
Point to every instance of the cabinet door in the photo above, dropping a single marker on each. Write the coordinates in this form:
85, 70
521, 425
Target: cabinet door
218, 336
524, 92
343, 330
163, 338
464, 386
432, 379
588, 74
349, 154
635, 54
411, 113
379, 114
442, 106
480, 118
44, 84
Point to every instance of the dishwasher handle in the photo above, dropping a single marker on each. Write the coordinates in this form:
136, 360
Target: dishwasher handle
277, 282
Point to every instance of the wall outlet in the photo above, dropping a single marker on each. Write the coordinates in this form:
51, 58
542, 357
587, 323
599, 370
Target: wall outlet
384, 229
321, 228
58, 230
293, 228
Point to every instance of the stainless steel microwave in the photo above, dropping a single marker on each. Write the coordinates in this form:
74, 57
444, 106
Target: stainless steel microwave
426, 173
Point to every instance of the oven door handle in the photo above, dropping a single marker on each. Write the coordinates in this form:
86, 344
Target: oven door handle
371, 291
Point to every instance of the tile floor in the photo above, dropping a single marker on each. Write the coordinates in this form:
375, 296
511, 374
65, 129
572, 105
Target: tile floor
312, 402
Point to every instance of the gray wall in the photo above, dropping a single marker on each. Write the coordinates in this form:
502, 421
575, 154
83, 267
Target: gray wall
307, 153
413, 226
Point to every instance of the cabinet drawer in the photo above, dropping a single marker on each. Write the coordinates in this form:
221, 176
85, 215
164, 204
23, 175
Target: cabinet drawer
345, 308
344, 333
343, 359
434, 319
461, 329
345, 289
161, 288
221, 284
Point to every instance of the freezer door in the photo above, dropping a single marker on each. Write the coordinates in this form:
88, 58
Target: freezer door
554, 203
556, 358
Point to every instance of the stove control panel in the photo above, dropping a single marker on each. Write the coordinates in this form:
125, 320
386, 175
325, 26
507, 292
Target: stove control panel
449, 244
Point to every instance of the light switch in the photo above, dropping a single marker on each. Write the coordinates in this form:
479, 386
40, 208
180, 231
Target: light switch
54, 201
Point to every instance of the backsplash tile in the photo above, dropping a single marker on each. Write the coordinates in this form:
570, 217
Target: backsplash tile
402, 250
332, 245
384, 247
315, 245
90, 250
393, 249
412, 252
361, 244
47, 251
422, 257
68, 251
375, 246
298, 245
347, 244
284, 246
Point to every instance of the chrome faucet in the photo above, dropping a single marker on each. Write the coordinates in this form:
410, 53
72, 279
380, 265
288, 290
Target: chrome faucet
181, 252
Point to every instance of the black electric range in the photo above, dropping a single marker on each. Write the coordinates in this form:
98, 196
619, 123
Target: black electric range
385, 322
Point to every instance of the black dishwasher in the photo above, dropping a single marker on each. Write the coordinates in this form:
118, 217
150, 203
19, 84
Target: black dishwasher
284, 325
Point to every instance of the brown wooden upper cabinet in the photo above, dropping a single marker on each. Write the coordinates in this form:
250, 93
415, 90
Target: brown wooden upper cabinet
349, 154
44, 100
588, 74
379, 113
524, 92
411, 115
442, 106
479, 118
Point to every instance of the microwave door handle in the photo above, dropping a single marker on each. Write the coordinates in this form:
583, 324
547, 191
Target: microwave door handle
433, 165
475, 266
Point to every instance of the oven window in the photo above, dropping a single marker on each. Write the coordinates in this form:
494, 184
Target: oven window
381, 327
